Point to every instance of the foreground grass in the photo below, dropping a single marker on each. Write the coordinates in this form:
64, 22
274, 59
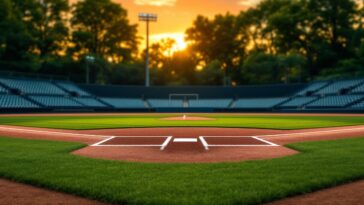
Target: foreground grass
49, 164
100, 122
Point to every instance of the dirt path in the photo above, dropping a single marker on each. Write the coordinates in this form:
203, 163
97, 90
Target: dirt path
349, 194
20, 194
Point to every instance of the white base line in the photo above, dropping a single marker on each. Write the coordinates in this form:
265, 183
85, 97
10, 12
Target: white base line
103, 141
266, 141
204, 143
166, 142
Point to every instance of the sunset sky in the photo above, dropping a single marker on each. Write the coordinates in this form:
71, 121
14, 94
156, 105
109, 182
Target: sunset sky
175, 16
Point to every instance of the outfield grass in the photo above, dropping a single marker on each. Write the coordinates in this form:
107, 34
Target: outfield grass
100, 122
49, 164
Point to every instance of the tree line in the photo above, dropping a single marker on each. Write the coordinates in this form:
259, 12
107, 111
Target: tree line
278, 41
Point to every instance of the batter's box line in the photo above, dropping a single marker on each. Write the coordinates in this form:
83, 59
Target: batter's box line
162, 146
207, 145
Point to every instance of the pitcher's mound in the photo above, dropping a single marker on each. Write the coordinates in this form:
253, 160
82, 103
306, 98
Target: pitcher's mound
188, 118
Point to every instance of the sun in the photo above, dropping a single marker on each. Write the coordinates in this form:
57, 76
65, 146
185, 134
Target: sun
178, 37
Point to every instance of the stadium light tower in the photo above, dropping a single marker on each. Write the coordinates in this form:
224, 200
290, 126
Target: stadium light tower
147, 17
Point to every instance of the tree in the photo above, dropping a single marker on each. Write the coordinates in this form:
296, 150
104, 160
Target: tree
102, 28
218, 39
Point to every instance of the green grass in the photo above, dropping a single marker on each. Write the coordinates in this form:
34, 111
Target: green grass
49, 164
100, 122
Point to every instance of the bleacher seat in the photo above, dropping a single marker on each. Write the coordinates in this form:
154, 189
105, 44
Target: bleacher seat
126, 103
3, 90
264, 103
298, 102
14, 101
164, 103
56, 101
90, 102
336, 87
312, 88
359, 105
210, 103
70, 87
335, 101
32, 86
359, 89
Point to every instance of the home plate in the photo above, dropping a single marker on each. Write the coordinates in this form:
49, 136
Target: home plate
184, 140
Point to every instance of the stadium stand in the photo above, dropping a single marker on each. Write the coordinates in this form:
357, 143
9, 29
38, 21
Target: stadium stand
42, 95
32, 86
90, 102
3, 90
312, 88
14, 101
161, 103
359, 89
340, 86
72, 88
262, 103
56, 101
335, 101
125, 103
298, 102
210, 103
359, 105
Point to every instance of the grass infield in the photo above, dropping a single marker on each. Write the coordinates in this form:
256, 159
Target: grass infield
103, 122
49, 164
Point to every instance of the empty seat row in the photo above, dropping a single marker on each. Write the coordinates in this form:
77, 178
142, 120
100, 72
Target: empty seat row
3, 90
56, 101
32, 86
265, 103
70, 87
298, 102
210, 103
90, 102
335, 101
164, 103
312, 88
124, 102
14, 101
336, 87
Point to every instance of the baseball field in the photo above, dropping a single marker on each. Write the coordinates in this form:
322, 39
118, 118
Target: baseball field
183, 159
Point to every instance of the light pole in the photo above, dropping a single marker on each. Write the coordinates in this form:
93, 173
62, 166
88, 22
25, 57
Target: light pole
147, 17
89, 59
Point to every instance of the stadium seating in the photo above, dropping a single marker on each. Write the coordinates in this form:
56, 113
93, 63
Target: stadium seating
124, 103
56, 101
161, 103
264, 103
312, 88
14, 101
90, 102
298, 102
70, 87
336, 87
359, 89
335, 101
210, 103
32, 86
3, 90
358, 105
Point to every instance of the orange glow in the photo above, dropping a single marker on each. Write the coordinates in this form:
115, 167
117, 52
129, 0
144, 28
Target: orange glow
178, 37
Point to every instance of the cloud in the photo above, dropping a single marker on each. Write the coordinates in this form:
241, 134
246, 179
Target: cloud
155, 2
248, 3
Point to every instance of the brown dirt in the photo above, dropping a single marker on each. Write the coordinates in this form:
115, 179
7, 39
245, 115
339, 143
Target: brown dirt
349, 194
20, 194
